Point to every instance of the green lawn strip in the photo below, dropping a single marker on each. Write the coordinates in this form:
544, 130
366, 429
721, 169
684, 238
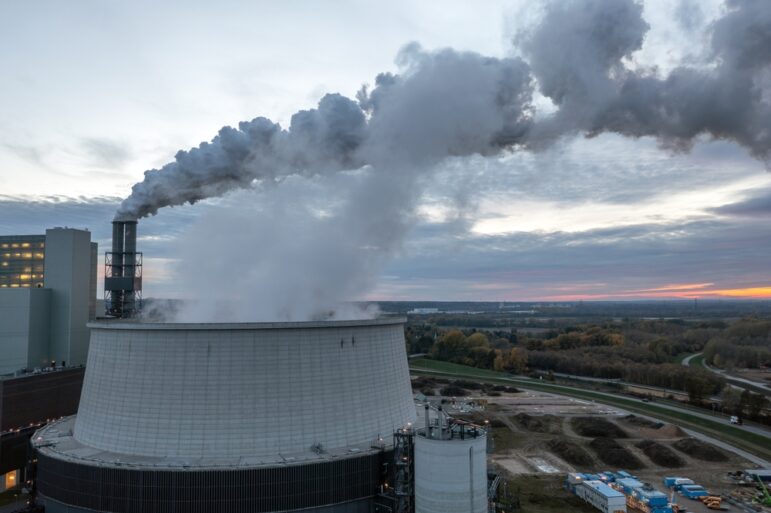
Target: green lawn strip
752, 442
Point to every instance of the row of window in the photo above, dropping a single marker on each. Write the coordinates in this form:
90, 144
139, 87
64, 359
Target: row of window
25, 256
5, 245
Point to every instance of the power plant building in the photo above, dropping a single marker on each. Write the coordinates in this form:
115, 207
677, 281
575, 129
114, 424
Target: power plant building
47, 296
230, 417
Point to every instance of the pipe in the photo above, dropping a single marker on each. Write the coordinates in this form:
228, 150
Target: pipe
428, 426
129, 262
130, 246
118, 230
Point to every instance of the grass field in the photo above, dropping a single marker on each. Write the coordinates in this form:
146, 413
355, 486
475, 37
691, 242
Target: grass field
754, 443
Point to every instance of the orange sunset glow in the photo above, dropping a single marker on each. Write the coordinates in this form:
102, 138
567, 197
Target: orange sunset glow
675, 291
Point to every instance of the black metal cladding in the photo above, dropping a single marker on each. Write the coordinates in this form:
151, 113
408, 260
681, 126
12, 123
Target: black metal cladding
256, 490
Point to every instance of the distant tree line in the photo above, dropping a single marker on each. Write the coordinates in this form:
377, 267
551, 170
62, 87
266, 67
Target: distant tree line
747, 343
636, 351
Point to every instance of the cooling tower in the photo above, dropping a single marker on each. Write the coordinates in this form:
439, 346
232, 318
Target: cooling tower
230, 417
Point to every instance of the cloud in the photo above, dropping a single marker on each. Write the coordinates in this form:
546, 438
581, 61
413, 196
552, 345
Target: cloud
33, 154
755, 205
731, 254
105, 153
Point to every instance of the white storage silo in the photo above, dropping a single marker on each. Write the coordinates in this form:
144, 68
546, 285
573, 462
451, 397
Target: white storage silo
451, 469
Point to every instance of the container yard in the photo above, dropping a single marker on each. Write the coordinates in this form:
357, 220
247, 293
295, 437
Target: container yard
681, 495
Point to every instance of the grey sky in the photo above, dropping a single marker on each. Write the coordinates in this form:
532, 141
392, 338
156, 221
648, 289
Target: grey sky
95, 92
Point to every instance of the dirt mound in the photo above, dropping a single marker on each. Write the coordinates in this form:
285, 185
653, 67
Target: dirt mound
596, 427
614, 454
470, 385
422, 381
539, 423
643, 422
507, 389
570, 451
660, 454
700, 450
453, 391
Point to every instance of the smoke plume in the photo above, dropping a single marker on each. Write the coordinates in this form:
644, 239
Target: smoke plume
368, 158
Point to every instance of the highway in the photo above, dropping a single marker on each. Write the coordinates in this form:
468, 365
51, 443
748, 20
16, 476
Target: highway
749, 425
735, 381
762, 436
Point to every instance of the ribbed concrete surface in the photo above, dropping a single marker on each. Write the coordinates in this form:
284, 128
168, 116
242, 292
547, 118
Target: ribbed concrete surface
241, 390
451, 475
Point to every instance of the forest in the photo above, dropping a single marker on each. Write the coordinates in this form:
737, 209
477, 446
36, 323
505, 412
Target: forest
745, 344
642, 351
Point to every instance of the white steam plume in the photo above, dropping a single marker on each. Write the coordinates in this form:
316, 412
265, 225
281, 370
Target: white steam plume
444, 104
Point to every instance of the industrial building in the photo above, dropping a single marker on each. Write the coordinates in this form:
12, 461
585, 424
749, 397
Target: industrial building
28, 402
257, 417
316, 417
602, 496
47, 296
637, 495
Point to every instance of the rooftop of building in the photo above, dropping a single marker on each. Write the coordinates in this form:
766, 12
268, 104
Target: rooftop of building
604, 489
123, 324
56, 440
42, 371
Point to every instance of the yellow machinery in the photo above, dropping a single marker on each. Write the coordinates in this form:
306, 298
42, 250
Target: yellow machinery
712, 501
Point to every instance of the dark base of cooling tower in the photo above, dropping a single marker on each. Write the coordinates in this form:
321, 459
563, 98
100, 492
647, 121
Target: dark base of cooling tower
345, 485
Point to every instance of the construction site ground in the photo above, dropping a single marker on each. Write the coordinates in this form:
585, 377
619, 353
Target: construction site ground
544, 436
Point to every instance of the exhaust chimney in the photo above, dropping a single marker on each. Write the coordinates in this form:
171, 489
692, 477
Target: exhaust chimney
123, 271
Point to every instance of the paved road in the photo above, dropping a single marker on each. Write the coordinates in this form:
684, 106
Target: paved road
729, 377
687, 359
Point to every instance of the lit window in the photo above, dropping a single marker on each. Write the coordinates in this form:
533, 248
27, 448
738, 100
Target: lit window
24, 277
10, 479
14, 245
39, 255
27, 255
5, 264
25, 244
4, 245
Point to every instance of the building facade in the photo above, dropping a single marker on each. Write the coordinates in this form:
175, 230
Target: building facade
22, 261
47, 296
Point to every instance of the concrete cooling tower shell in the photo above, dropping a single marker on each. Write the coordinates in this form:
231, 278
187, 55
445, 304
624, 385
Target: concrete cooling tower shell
236, 417
246, 390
